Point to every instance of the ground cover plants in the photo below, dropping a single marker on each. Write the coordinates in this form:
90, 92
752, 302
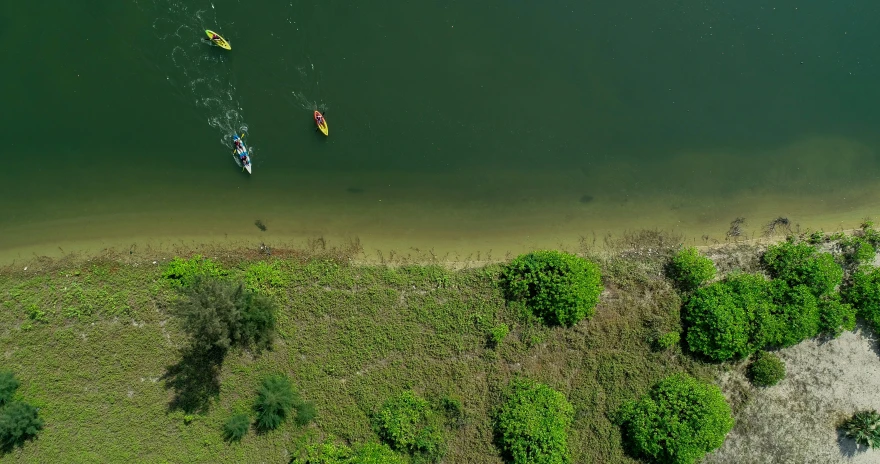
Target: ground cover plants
399, 362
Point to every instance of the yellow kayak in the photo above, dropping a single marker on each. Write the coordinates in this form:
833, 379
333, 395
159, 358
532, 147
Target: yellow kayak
322, 123
217, 40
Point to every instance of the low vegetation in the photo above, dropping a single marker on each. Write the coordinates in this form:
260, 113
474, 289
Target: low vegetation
532, 424
864, 428
559, 288
275, 401
678, 421
236, 427
689, 269
334, 453
766, 369
407, 423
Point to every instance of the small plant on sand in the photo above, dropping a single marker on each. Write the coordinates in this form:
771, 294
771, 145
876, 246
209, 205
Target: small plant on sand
236, 427
19, 422
8, 386
275, 399
766, 370
532, 424
183, 272
864, 428
678, 421
407, 423
689, 269
559, 288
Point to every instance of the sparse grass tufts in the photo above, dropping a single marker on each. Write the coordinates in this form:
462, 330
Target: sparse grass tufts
407, 423
864, 428
236, 427
766, 369
677, 422
559, 288
689, 269
532, 424
275, 399
8, 386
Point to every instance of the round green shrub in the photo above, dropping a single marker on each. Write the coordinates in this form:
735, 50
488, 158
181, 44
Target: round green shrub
559, 288
275, 399
407, 423
236, 427
796, 315
766, 369
863, 294
801, 264
18, 422
717, 325
836, 316
677, 422
532, 425
689, 269
8, 386
864, 428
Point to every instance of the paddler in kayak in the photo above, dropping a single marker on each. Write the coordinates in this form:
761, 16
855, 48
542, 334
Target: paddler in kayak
214, 38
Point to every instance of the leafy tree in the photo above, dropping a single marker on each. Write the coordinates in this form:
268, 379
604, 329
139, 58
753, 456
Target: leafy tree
678, 421
219, 314
801, 264
18, 422
407, 423
689, 269
236, 427
532, 424
559, 288
766, 370
8, 386
717, 324
864, 428
863, 294
275, 399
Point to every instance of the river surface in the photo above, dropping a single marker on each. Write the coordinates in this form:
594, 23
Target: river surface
490, 125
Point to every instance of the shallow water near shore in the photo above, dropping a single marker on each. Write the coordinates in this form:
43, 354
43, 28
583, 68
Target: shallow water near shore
454, 128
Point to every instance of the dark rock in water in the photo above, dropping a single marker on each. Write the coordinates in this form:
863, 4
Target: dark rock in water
586, 199
260, 225
354, 190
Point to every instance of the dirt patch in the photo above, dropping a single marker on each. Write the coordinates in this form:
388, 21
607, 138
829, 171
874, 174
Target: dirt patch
796, 420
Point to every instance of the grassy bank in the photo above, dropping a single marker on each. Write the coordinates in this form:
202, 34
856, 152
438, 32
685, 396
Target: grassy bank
94, 347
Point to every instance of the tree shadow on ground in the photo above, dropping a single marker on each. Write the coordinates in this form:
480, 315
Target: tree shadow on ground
195, 379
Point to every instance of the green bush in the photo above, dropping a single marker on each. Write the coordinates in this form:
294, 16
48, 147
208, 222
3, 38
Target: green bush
678, 421
407, 423
218, 314
183, 272
532, 424
689, 269
796, 315
332, 453
236, 427
863, 294
19, 422
667, 340
498, 333
305, 413
264, 277
766, 369
559, 288
275, 399
454, 412
856, 250
729, 319
801, 264
8, 386
836, 316
864, 428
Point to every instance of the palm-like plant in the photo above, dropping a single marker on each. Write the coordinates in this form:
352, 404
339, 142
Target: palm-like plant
864, 428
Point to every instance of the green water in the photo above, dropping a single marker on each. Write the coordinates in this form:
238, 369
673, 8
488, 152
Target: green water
452, 124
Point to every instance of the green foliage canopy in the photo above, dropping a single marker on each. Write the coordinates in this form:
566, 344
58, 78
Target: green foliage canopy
18, 422
532, 424
677, 422
801, 264
559, 288
8, 386
689, 269
407, 423
766, 370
